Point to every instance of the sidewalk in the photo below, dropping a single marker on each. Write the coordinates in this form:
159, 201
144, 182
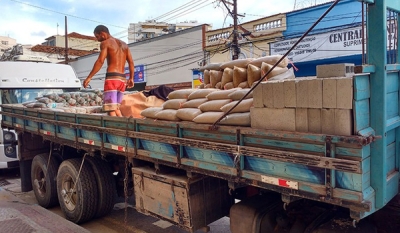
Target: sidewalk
20, 217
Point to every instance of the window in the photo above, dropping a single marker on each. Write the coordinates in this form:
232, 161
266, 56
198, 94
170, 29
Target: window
4, 42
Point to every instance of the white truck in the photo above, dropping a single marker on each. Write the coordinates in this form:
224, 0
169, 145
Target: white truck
22, 81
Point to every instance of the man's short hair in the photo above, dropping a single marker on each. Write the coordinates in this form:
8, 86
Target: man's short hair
101, 28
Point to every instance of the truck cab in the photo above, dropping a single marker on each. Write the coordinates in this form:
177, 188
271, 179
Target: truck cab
23, 81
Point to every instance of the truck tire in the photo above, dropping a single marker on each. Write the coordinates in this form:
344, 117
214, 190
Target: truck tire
80, 204
106, 187
44, 180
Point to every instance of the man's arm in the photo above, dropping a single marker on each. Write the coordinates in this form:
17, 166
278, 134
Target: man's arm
97, 65
131, 64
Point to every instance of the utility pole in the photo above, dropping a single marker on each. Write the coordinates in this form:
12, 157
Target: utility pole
235, 43
66, 41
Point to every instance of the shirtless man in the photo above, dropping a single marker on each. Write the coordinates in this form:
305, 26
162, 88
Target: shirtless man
117, 53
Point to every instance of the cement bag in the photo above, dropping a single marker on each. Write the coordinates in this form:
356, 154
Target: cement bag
180, 94
218, 85
167, 115
208, 86
93, 109
227, 76
253, 74
213, 105
80, 110
70, 109
208, 117
195, 103
228, 86
243, 106
212, 66
201, 93
270, 60
206, 76
151, 112
173, 103
202, 86
238, 94
239, 76
238, 119
242, 63
220, 95
188, 114
265, 67
244, 84
289, 74
215, 77
133, 104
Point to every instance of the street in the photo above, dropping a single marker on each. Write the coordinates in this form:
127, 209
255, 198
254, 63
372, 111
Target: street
114, 222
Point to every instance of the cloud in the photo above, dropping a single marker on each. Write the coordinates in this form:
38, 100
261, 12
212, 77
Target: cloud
40, 33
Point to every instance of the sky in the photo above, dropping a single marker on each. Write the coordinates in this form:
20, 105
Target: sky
32, 21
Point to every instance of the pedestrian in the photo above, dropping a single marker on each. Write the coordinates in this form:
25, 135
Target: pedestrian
117, 53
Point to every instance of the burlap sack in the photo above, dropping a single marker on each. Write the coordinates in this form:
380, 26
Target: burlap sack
227, 76
265, 67
215, 77
188, 114
253, 74
151, 112
238, 94
167, 115
237, 119
180, 94
270, 60
201, 93
289, 74
244, 84
243, 106
242, 63
239, 75
228, 86
208, 86
208, 117
206, 77
195, 103
218, 86
174, 103
220, 95
213, 105
201, 86
212, 66
133, 104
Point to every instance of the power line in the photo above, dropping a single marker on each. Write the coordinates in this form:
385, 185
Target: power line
175, 10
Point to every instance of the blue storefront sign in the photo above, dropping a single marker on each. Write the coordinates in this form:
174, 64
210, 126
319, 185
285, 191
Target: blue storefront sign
139, 76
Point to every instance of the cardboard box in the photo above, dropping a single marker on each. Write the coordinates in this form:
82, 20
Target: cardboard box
314, 120
315, 93
302, 120
273, 118
328, 121
329, 92
344, 97
289, 87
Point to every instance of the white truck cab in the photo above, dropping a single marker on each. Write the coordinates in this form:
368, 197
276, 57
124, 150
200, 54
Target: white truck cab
22, 81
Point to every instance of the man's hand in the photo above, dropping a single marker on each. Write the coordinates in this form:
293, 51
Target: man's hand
130, 83
86, 82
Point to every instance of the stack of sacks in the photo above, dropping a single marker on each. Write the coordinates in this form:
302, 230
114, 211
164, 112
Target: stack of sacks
243, 72
168, 111
134, 103
76, 102
240, 115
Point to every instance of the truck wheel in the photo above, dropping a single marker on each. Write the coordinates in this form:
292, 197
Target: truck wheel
78, 198
44, 180
106, 187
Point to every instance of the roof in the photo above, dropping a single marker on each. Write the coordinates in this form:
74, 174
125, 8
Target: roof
76, 35
60, 50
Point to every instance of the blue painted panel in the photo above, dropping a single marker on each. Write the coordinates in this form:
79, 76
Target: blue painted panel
392, 105
355, 182
362, 115
362, 87
32, 124
67, 131
363, 152
47, 127
391, 158
209, 156
119, 140
157, 130
158, 147
90, 135
285, 170
248, 140
392, 82
346, 12
391, 137
209, 136
19, 121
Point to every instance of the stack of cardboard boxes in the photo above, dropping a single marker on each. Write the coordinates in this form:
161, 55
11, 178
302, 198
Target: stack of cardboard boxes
321, 104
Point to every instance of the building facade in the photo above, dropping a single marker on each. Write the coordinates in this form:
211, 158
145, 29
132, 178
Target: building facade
75, 41
6, 43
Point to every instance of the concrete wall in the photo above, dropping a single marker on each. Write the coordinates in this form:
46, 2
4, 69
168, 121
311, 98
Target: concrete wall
168, 59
